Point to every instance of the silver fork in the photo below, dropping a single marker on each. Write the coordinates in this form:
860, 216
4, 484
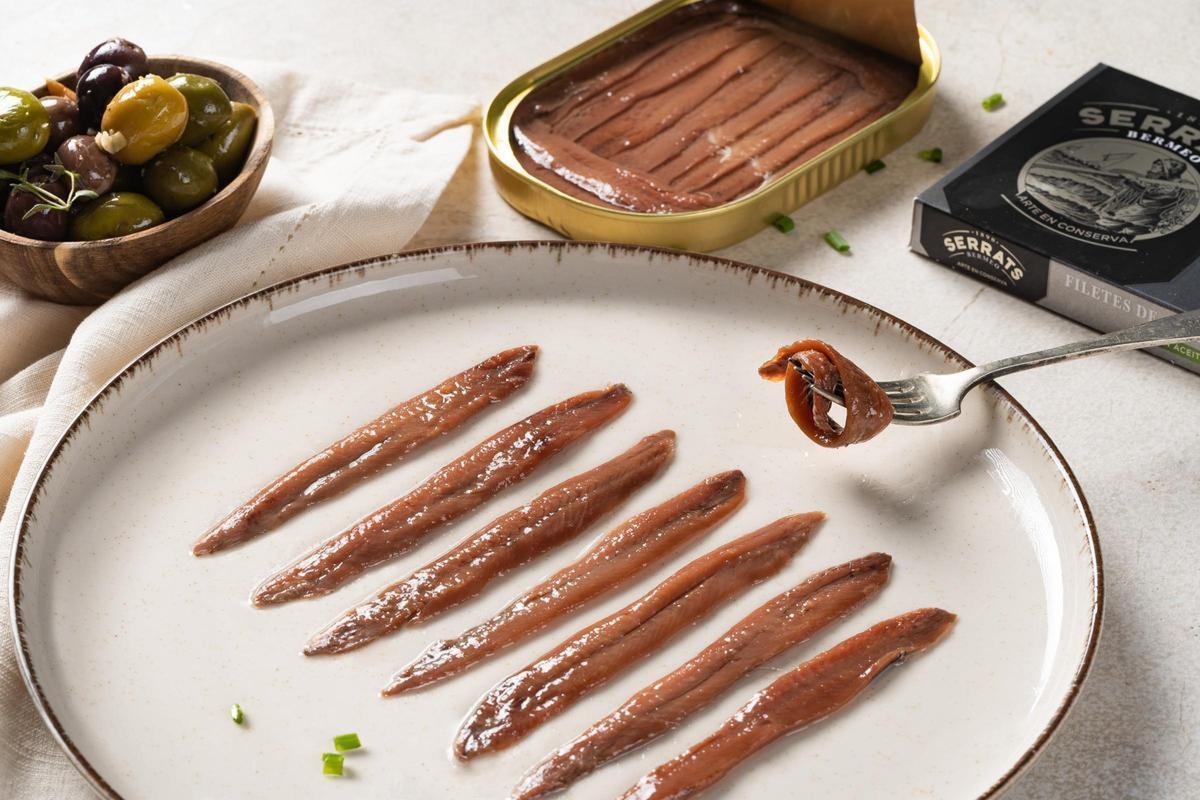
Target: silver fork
931, 397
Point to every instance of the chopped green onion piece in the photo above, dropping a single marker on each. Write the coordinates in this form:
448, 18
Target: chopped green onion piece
331, 763
835, 240
934, 155
874, 166
236, 714
347, 741
992, 102
783, 223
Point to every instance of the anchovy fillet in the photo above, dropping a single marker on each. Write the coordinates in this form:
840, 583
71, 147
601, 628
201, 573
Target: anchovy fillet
627, 550
806, 694
457, 488
781, 623
549, 520
373, 447
599, 652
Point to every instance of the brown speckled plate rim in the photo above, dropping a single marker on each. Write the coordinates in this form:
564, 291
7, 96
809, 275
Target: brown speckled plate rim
360, 268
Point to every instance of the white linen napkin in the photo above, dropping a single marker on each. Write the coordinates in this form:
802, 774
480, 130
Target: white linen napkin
354, 173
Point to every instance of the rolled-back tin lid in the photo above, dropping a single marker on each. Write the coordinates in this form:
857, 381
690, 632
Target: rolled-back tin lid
887, 25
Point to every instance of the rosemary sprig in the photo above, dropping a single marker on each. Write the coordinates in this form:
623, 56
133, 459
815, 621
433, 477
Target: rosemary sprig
50, 201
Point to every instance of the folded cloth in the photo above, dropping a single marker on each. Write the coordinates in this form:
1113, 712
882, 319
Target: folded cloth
354, 173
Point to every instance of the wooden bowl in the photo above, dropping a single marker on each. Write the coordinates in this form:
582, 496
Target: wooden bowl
86, 273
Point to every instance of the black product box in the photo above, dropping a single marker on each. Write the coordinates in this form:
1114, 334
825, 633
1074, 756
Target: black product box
1090, 207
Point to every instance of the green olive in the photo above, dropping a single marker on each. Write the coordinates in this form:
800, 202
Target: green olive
24, 126
179, 179
208, 106
143, 119
116, 214
229, 145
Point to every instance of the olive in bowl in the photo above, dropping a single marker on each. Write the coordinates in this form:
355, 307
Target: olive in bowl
208, 107
96, 88
24, 126
231, 140
80, 154
23, 215
180, 178
116, 214
64, 119
198, 192
118, 52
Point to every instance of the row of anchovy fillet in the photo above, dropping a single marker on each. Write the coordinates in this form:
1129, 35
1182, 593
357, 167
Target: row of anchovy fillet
599, 652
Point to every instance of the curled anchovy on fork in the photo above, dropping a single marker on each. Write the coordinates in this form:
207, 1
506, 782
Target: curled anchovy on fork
811, 363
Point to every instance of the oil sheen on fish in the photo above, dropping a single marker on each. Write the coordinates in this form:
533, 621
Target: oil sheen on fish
457, 488
373, 447
599, 652
809, 693
700, 107
781, 623
552, 518
625, 551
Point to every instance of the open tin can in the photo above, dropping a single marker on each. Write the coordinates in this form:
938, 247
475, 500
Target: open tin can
864, 22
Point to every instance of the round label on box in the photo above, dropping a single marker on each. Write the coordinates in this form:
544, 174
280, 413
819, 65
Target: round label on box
1110, 191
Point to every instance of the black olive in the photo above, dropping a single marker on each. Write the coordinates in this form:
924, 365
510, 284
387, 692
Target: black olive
118, 52
96, 88
96, 170
49, 226
64, 119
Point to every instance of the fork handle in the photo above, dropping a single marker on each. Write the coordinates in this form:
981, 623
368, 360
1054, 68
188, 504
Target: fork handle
1166, 330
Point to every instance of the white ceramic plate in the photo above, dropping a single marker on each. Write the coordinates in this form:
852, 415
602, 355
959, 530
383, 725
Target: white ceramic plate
135, 649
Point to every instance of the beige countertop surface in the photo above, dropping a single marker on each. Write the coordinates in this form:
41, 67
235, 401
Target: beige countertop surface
1129, 424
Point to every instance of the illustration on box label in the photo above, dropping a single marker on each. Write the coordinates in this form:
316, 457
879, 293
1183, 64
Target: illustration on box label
1109, 191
